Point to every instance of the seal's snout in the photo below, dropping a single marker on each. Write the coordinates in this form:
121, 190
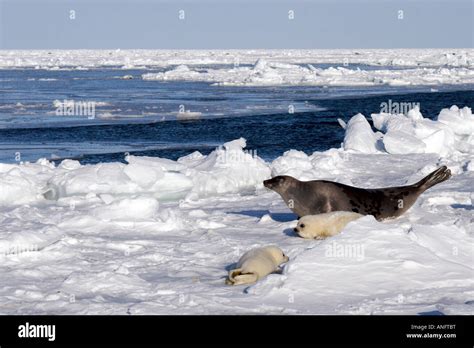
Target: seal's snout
297, 232
268, 183
273, 183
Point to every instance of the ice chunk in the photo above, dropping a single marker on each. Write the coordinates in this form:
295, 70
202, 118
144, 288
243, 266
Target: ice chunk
399, 142
16, 187
412, 133
292, 163
228, 169
359, 135
461, 121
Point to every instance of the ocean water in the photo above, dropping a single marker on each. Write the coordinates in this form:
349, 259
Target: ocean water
142, 117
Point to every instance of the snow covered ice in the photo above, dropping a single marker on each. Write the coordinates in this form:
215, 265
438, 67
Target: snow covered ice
156, 236
264, 73
127, 59
452, 132
391, 67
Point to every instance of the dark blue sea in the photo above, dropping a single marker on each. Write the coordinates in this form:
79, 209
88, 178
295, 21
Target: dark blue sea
141, 117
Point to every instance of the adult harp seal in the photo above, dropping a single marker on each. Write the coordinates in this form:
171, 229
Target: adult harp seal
321, 196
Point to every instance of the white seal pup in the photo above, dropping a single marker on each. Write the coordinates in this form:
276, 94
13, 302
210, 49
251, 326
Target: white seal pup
320, 226
256, 264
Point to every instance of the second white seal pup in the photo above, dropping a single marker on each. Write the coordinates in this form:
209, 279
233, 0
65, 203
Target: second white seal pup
320, 226
256, 264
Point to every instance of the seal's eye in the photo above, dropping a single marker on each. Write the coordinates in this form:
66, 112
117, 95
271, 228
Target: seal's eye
302, 225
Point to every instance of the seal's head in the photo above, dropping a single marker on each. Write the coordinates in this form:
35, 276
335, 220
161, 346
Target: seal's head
277, 254
279, 183
320, 226
304, 228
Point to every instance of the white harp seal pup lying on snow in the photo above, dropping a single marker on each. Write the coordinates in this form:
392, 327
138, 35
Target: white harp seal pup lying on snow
256, 264
320, 226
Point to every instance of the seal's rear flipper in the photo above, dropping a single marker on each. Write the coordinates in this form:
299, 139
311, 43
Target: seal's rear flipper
245, 279
232, 274
439, 175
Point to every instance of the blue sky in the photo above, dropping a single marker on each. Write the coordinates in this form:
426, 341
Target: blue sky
36, 24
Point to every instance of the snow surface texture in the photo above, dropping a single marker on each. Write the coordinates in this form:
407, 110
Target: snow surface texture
156, 236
